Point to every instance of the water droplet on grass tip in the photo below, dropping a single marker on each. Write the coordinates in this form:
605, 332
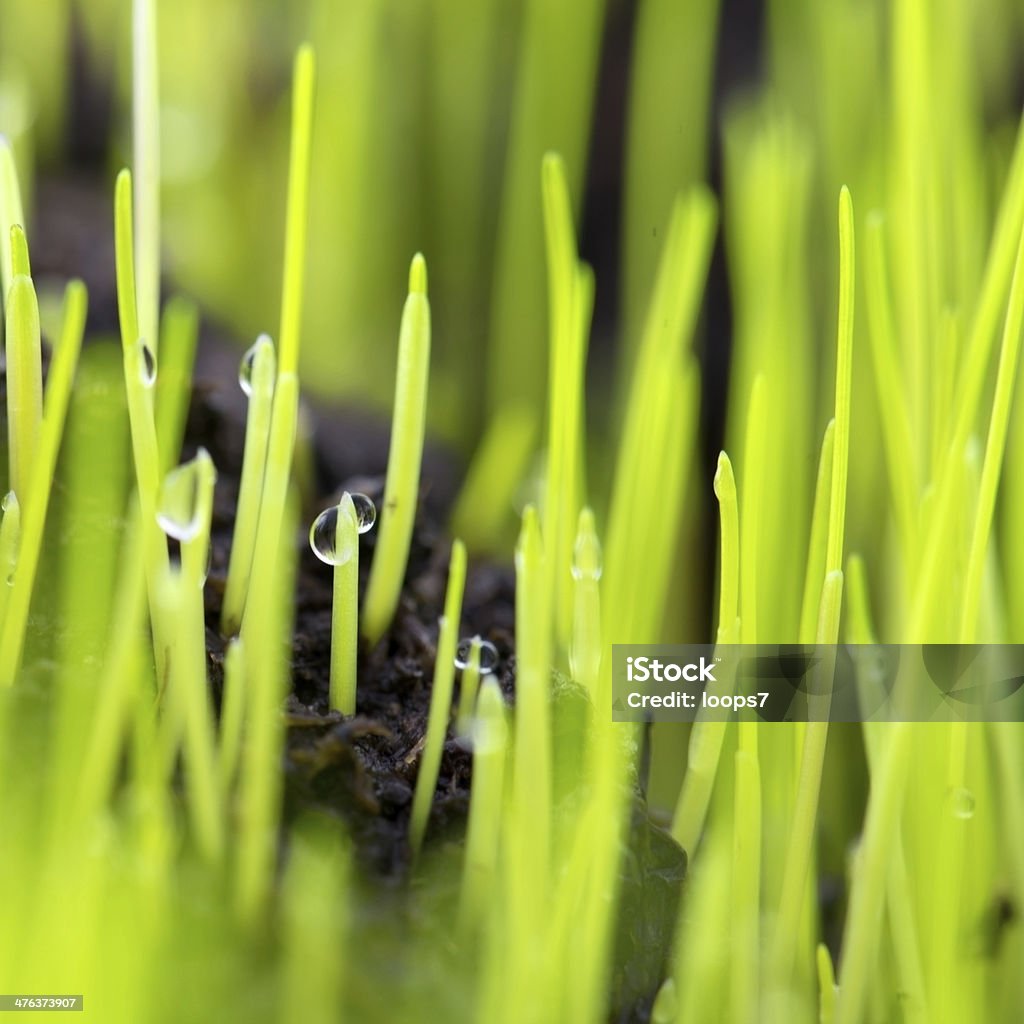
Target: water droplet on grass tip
324, 540
488, 655
9, 500
178, 507
245, 367
323, 534
961, 802
366, 512
147, 367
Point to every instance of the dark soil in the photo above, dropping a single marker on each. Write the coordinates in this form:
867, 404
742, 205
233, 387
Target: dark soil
363, 769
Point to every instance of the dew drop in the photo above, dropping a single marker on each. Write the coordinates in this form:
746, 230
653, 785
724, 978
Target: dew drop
178, 507
248, 363
323, 538
10, 579
488, 655
147, 367
9, 500
961, 803
366, 512
245, 370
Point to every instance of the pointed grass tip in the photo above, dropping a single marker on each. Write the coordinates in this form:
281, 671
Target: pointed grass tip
418, 275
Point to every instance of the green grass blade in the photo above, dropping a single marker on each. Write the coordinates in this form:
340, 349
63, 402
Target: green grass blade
657, 400
277, 476
532, 755
233, 712
401, 487
440, 699
571, 293
994, 448
705, 747
345, 612
19, 252
11, 213
10, 542
250, 488
671, 78
179, 334
826, 986
124, 258
860, 939
316, 925
844, 378
58, 395
816, 548
490, 748
24, 384
146, 158
267, 631
189, 691
586, 652
890, 386
745, 958
750, 533
296, 219
551, 107
729, 540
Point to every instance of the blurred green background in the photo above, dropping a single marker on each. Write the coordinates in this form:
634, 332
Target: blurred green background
432, 117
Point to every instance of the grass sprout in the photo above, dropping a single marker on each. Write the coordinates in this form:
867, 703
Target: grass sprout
401, 486
189, 523
146, 159
11, 213
994, 448
179, 334
334, 538
483, 836
587, 565
58, 393
708, 734
296, 220
261, 373
571, 289
659, 417
140, 372
794, 884
10, 542
440, 698
24, 370
150, 847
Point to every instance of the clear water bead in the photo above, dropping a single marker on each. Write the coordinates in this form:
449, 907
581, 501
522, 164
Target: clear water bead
147, 367
178, 510
246, 366
324, 539
365, 510
8, 501
488, 655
